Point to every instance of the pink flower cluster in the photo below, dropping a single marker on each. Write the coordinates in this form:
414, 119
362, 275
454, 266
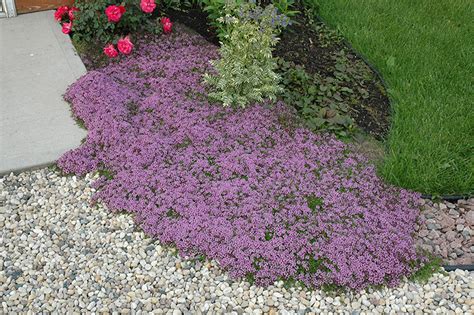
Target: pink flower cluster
250, 188
147, 6
65, 16
124, 45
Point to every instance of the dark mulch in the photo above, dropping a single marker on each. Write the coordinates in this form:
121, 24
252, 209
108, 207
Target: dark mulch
196, 19
314, 47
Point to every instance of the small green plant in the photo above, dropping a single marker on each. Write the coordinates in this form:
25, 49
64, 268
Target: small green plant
430, 267
179, 4
333, 289
171, 213
250, 277
322, 102
268, 235
108, 174
310, 8
314, 203
246, 70
314, 265
216, 9
286, 7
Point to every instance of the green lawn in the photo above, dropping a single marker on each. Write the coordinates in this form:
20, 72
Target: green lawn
425, 52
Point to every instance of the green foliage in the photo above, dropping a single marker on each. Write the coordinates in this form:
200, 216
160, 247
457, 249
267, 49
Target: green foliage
326, 36
424, 273
246, 70
91, 24
250, 277
106, 173
268, 235
181, 5
319, 100
314, 264
286, 7
310, 7
216, 9
333, 289
176, 4
314, 203
171, 213
80, 123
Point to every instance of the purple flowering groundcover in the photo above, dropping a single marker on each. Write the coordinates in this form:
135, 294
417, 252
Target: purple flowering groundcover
266, 199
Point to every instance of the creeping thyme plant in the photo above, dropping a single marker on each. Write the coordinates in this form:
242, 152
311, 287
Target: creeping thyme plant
246, 70
265, 198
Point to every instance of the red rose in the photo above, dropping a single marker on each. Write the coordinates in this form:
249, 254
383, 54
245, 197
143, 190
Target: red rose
114, 12
67, 27
147, 6
60, 12
124, 45
110, 51
167, 27
71, 13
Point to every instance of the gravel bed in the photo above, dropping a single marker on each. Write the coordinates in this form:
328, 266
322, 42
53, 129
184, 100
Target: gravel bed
60, 253
447, 231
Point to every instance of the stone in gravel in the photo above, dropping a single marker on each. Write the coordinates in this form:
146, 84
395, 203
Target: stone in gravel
466, 232
423, 233
453, 213
446, 221
469, 217
434, 235
451, 235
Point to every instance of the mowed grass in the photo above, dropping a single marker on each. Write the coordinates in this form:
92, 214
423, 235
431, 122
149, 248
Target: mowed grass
425, 51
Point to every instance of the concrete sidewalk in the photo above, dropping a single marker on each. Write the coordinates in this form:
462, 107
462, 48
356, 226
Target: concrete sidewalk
37, 63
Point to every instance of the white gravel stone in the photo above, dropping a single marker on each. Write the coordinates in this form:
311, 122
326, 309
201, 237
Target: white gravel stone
60, 254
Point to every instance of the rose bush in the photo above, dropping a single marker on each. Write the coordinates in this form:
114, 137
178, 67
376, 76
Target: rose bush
109, 23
